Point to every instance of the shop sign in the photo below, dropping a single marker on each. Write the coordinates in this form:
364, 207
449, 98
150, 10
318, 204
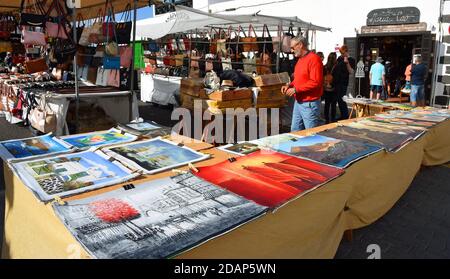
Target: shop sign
390, 16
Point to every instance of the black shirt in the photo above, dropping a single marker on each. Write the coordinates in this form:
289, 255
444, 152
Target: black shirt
340, 72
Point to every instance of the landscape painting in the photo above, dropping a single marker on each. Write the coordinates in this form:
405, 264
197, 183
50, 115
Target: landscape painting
71, 174
392, 142
269, 179
156, 219
155, 155
30, 148
240, 149
148, 129
391, 119
335, 152
411, 131
97, 139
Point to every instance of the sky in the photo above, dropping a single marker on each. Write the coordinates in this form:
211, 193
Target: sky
342, 16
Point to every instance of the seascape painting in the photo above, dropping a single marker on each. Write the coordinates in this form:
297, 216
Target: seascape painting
34, 147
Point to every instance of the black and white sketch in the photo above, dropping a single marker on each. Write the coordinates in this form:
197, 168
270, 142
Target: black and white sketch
156, 219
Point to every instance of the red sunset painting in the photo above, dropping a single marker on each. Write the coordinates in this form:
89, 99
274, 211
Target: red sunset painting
269, 179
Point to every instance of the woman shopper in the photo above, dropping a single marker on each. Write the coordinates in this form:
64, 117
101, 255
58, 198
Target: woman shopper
328, 89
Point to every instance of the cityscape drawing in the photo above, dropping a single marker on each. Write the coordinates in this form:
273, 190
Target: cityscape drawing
156, 219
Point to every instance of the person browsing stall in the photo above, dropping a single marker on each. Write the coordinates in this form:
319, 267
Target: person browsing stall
307, 86
418, 77
377, 78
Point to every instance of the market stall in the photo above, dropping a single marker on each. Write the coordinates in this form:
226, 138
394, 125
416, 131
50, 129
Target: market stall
190, 43
310, 226
84, 50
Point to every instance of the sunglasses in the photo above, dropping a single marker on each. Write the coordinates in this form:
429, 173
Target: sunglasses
293, 47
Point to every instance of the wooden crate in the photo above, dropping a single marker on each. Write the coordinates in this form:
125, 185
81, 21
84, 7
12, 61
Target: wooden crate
270, 92
187, 101
272, 79
244, 103
271, 103
229, 95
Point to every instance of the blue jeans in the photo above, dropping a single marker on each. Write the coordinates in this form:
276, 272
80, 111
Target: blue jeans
305, 115
417, 93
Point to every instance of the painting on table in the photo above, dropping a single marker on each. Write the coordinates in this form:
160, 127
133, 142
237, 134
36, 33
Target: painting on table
149, 129
392, 142
155, 155
269, 178
331, 151
97, 139
71, 174
31, 148
156, 219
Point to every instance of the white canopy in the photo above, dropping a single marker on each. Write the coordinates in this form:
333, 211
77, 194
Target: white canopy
185, 19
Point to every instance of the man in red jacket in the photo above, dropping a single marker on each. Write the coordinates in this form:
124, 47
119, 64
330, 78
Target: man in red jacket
306, 86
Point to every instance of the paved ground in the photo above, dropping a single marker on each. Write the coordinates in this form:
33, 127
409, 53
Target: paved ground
417, 227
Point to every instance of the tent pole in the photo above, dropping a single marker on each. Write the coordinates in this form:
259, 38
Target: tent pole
280, 26
130, 116
75, 70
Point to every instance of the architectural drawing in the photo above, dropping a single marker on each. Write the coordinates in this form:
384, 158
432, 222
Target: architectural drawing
156, 219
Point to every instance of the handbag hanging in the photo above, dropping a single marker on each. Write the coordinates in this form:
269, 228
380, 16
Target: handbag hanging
109, 19
37, 65
111, 62
286, 43
57, 27
138, 56
265, 42
123, 28
92, 74
249, 43
43, 118
250, 63
34, 18
114, 78
33, 38
126, 54
102, 76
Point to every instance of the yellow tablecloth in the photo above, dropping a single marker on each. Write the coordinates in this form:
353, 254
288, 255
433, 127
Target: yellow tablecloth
309, 227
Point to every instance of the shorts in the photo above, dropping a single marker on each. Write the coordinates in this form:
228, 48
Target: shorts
417, 93
408, 85
376, 88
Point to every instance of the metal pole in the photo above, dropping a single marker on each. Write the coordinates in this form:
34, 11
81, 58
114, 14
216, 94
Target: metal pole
132, 62
280, 36
75, 70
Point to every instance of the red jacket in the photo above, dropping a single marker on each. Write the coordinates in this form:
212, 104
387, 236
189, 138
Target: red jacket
308, 78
